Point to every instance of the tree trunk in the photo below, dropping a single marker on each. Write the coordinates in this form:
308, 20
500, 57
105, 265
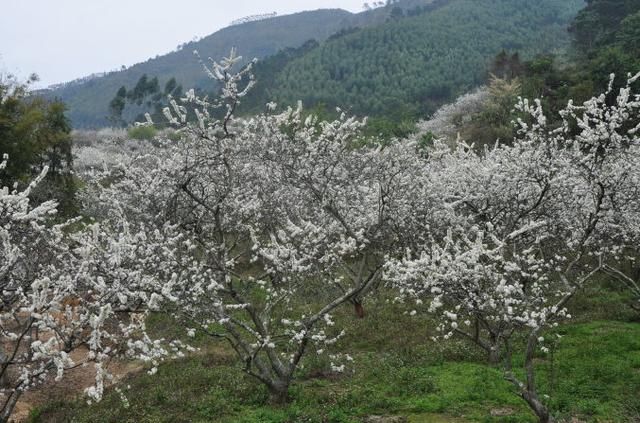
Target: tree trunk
529, 393
538, 408
494, 355
359, 309
4, 380
494, 358
279, 393
9, 405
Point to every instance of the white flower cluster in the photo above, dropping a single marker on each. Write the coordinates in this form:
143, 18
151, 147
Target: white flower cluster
521, 228
56, 300
256, 231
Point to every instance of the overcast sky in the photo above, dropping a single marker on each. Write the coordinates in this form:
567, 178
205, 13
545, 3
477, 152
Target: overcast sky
61, 40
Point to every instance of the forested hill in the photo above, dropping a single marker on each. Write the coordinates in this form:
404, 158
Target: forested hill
408, 57
417, 59
88, 100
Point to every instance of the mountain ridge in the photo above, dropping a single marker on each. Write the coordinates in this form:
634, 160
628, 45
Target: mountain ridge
412, 64
88, 97
327, 38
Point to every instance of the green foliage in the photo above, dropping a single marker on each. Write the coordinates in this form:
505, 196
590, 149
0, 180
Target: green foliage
144, 88
35, 133
173, 135
606, 40
598, 24
591, 373
264, 72
495, 121
146, 95
386, 128
88, 100
506, 66
117, 105
420, 62
628, 36
142, 132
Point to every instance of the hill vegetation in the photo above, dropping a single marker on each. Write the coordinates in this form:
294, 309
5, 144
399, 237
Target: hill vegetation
295, 266
416, 61
606, 41
35, 134
407, 57
88, 100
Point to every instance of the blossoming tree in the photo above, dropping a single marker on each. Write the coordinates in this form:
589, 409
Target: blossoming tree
527, 226
56, 313
263, 227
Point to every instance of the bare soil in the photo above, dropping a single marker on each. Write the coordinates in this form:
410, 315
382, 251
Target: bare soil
71, 386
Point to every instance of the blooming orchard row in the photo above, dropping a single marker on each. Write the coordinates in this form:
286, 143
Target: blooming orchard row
254, 231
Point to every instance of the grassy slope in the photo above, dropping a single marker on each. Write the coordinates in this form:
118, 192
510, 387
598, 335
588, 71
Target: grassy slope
593, 374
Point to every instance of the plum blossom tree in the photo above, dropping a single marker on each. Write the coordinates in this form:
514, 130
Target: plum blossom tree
263, 227
446, 121
56, 314
362, 199
526, 226
615, 170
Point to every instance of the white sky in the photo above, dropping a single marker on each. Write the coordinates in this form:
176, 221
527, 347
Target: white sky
61, 40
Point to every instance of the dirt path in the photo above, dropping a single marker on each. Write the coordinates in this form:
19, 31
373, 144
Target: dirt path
75, 381
71, 386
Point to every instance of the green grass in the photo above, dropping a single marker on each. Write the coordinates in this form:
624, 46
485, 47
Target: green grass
593, 374
597, 372
142, 132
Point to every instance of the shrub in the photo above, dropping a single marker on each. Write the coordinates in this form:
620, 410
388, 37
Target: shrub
142, 133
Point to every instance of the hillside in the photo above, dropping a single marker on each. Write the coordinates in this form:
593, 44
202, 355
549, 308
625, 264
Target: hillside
408, 57
88, 100
412, 63
315, 266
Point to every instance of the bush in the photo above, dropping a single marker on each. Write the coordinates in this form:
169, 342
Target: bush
142, 133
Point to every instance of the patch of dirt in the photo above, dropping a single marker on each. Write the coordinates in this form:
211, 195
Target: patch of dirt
387, 419
72, 384
215, 355
501, 412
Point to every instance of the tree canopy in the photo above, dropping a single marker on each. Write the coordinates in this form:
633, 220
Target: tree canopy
35, 133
